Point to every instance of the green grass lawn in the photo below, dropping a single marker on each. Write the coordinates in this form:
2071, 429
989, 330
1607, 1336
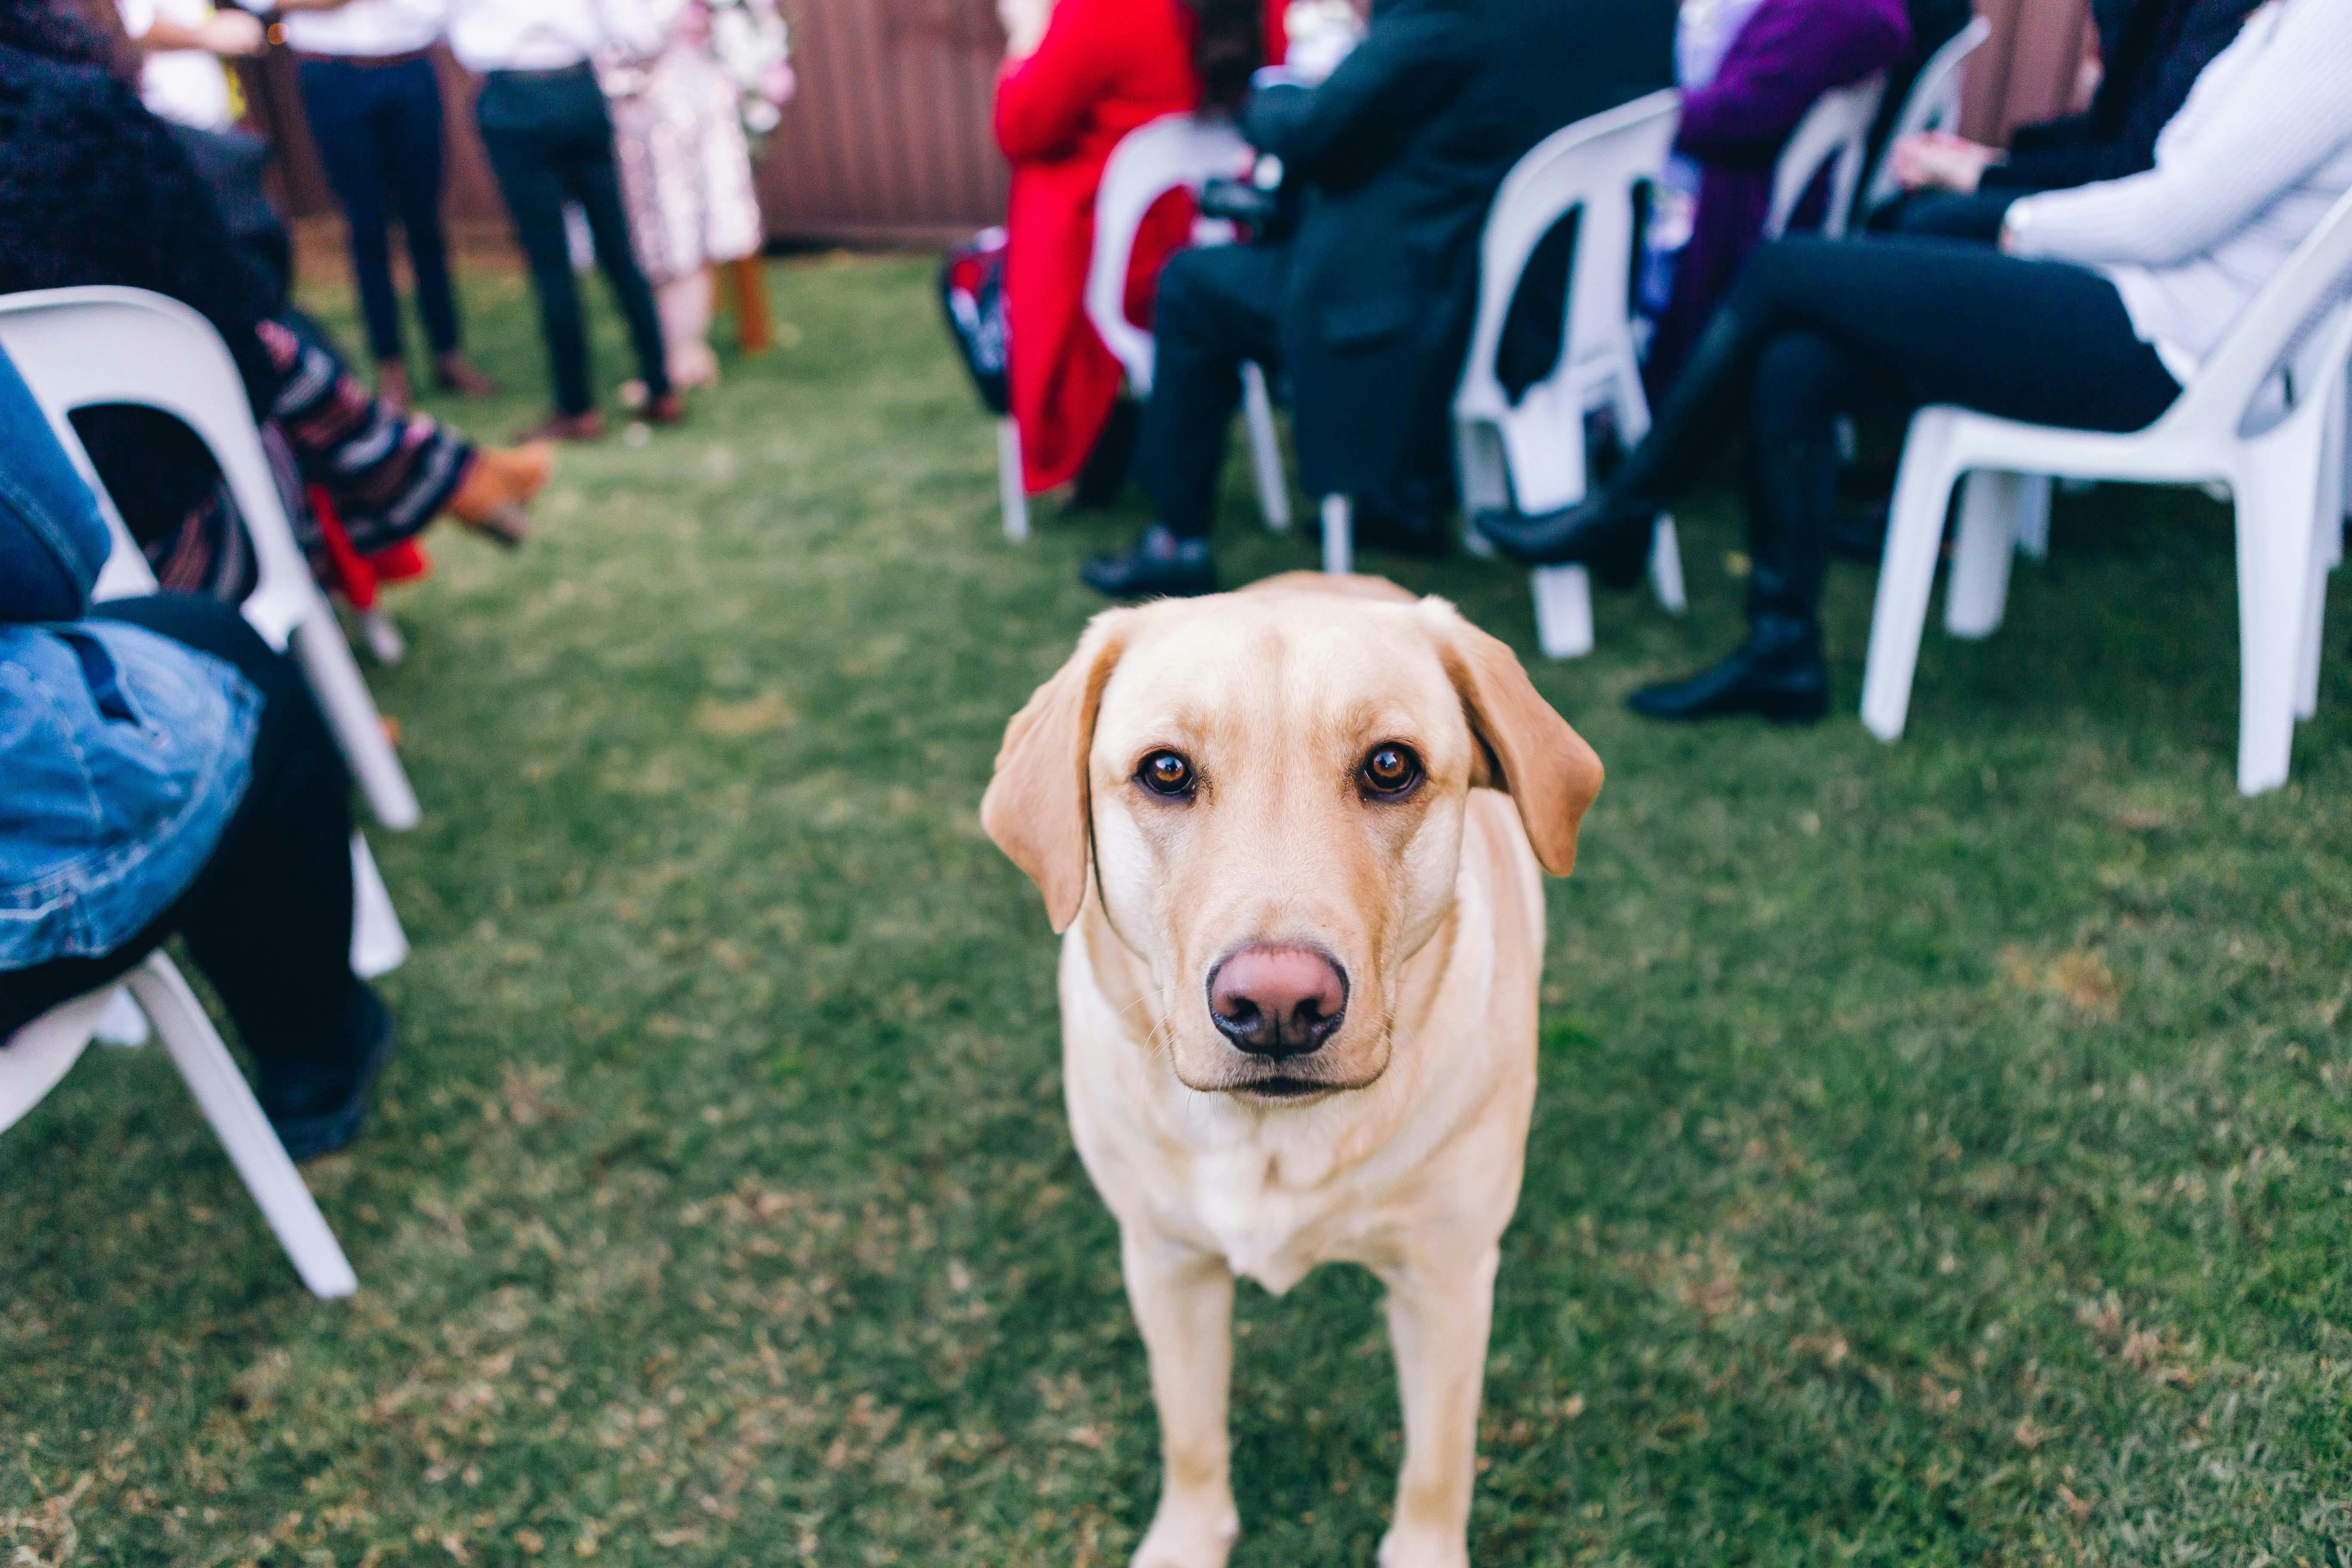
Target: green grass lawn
1942, 1153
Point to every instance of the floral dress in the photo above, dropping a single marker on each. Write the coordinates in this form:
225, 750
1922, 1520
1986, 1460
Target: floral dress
678, 130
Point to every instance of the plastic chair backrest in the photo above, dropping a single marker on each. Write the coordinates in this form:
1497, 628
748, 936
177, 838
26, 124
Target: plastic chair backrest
2312, 282
1593, 166
1148, 161
1932, 104
1835, 129
76, 347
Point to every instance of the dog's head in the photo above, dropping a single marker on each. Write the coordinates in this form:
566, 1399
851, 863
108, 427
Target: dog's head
1267, 789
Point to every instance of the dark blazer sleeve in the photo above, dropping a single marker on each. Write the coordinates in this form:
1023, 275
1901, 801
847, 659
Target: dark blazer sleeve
2209, 27
52, 541
1409, 67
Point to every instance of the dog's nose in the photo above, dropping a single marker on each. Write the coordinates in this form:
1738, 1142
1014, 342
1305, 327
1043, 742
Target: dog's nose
1278, 1001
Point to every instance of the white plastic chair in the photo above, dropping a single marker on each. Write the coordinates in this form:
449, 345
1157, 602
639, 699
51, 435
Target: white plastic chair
1531, 455
1933, 104
1149, 162
2282, 462
76, 347
36, 1057
1835, 133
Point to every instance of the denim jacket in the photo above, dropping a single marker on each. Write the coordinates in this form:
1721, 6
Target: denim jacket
122, 755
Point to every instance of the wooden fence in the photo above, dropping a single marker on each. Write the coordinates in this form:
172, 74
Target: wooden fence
889, 142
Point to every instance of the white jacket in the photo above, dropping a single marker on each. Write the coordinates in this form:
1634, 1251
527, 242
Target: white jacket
2255, 158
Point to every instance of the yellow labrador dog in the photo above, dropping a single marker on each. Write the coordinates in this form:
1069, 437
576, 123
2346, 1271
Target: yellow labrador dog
1293, 837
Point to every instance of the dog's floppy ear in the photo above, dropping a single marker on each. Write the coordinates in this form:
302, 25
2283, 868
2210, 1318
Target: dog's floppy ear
1036, 807
1525, 748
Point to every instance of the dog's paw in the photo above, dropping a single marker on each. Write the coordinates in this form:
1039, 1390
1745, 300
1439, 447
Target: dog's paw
1405, 1547
1188, 1536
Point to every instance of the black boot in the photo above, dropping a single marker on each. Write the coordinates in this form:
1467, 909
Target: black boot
1609, 530
1159, 566
1608, 533
1778, 672
316, 1108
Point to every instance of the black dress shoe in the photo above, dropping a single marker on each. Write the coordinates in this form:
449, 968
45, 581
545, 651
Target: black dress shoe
317, 1112
1159, 566
1778, 673
1603, 533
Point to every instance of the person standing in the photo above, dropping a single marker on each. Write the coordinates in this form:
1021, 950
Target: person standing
374, 106
550, 138
181, 45
682, 121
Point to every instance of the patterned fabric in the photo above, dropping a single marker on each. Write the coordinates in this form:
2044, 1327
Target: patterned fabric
685, 167
387, 473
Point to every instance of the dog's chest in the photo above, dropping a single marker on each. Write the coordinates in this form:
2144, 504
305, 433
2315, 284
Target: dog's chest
1275, 1214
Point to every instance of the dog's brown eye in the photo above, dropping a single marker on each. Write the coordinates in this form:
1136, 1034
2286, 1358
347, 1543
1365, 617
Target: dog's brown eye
1391, 770
1166, 773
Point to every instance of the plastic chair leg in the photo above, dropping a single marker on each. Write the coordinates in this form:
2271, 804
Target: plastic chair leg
1338, 536
2276, 494
1666, 566
1266, 449
1981, 550
380, 635
378, 945
1915, 528
2314, 617
1009, 490
121, 1023
2031, 508
253, 1148
1563, 610
334, 679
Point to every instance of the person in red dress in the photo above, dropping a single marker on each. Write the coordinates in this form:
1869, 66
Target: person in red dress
1078, 75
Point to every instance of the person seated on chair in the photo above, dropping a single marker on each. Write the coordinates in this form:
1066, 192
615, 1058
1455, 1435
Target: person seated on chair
2105, 302
2152, 52
1078, 76
1368, 305
96, 190
1751, 69
167, 773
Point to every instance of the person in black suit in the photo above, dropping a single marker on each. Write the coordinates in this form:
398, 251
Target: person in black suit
1368, 306
2153, 51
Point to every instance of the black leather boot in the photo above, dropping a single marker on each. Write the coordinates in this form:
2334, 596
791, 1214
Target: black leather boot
1779, 673
1159, 566
1610, 530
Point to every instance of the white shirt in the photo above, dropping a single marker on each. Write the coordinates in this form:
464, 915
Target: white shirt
2243, 175
184, 85
368, 29
546, 35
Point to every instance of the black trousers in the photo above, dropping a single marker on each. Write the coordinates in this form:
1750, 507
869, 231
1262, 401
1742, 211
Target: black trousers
550, 140
268, 919
1219, 309
1817, 328
1949, 214
378, 129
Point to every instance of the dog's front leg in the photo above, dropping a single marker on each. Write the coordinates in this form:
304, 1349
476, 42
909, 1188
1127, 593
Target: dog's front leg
1183, 1301
1438, 1310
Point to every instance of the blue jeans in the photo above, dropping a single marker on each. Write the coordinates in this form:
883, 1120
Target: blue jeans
268, 918
378, 127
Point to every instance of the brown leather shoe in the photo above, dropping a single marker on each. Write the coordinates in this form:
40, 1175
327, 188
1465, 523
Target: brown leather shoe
669, 408
453, 372
588, 427
392, 385
498, 486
